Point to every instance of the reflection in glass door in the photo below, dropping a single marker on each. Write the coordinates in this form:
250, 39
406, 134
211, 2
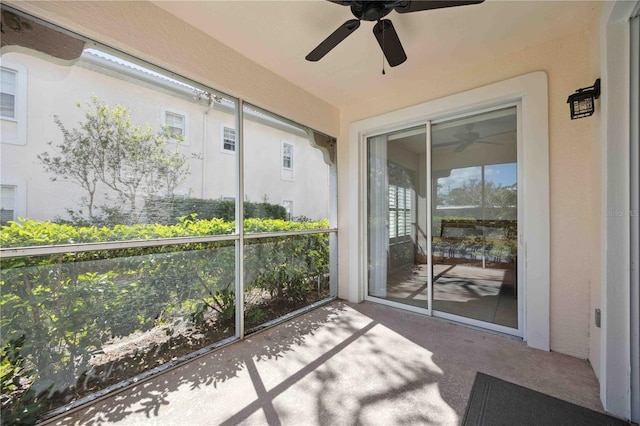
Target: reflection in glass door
474, 217
396, 206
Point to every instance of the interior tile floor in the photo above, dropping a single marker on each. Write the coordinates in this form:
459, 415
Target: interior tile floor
480, 293
342, 364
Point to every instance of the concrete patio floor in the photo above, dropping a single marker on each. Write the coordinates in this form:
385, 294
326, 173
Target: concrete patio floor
343, 364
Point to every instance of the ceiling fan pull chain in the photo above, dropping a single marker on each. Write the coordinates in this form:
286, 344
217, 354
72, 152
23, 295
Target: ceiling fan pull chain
383, 73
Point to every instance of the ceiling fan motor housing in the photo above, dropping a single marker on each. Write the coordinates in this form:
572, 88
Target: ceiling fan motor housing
370, 10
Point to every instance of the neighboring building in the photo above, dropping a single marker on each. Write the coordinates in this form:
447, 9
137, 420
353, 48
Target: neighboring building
279, 162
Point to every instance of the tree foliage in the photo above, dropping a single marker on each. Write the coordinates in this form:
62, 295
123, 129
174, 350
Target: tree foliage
470, 194
110, 155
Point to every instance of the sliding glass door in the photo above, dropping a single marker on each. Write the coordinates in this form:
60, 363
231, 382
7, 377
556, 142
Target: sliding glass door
442, 219
397, 243
474, 217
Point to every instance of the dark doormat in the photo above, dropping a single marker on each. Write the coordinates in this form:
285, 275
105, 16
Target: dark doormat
496, 402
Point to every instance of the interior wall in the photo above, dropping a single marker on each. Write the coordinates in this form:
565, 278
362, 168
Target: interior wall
570, 62
150, 33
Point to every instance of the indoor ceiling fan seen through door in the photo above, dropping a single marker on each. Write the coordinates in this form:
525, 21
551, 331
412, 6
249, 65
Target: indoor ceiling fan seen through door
467, 138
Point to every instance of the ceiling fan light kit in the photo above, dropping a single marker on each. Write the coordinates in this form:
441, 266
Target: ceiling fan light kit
383, 30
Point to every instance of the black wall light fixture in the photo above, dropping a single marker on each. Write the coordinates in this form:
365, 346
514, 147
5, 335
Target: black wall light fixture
582, 102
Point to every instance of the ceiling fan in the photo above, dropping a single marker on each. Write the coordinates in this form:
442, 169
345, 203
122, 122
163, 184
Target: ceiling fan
468, 138
383, 30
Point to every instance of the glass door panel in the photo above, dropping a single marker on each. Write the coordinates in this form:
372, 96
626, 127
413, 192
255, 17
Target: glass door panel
474, 217
396, 205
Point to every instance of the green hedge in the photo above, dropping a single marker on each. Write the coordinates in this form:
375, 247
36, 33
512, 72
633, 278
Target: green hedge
167, 210
25, 232
63, 308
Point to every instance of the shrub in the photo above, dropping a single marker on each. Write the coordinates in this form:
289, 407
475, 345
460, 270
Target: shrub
65, 307
167, 210
20, 405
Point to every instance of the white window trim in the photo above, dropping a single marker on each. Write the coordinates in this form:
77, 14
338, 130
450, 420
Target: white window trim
15, 93
163, 120
293, 164
20, 194
20, 104
531, 91
222, 148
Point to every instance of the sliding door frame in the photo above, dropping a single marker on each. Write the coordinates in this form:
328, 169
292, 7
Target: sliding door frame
534, 227
428, 205
634, 171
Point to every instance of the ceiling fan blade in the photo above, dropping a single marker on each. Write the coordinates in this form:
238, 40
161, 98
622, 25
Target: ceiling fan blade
489, 142
342, 2
462, 146
445, 144
333, 40
498, 134
418, 5
389, 42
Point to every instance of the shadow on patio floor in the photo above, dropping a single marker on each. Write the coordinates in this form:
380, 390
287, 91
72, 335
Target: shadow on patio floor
342, 364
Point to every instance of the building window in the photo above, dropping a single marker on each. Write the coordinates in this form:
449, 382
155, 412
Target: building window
7, 204
13, 112
228, 139
175, 124
8, 94
288, 206
399, 212
287, 156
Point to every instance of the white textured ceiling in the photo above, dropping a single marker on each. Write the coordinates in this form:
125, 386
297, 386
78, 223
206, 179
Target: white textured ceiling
279, 34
